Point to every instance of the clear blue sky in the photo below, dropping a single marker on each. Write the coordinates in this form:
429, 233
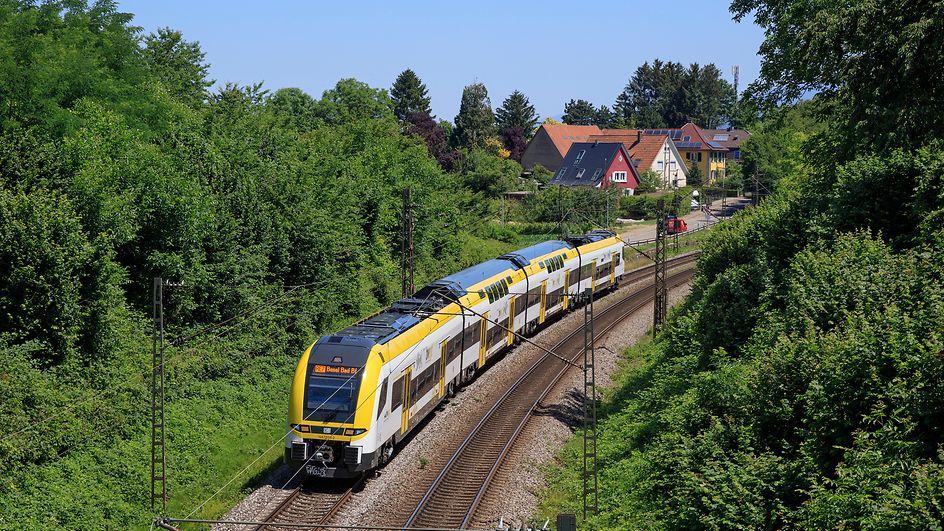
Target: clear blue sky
552, 51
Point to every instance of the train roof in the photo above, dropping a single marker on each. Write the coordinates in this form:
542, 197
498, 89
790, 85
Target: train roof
402, 314
471, 276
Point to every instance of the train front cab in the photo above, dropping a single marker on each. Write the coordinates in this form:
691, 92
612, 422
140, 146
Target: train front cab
331, 407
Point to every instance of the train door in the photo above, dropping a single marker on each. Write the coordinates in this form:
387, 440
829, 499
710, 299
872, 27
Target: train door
483, 347
613, 263
511, 321
442, 368
566, 298
593, 275
405, 420
543, 300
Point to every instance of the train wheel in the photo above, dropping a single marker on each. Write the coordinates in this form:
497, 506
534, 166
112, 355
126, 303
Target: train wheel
386, 453
450, 389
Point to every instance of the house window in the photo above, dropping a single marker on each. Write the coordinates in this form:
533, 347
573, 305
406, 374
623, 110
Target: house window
660, 164
619, 177
580, 173
597, 173
560, 174
699, 156
579, 156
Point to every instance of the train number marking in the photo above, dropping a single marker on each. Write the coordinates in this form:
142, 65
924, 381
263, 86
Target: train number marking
317, 471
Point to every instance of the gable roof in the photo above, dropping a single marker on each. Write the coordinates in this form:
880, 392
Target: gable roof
564, 135
729, 138
586, 163
627, 136
689, 137
644, 153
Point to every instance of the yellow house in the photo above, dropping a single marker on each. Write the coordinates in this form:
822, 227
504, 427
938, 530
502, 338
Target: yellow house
697, 150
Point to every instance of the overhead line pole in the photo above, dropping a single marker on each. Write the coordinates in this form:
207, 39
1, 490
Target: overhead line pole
589, 411
158, 426
659, 301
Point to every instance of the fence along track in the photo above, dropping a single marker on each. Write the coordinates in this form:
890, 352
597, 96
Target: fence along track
310, 505
453, 497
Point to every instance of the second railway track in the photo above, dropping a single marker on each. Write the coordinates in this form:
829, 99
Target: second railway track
452, 499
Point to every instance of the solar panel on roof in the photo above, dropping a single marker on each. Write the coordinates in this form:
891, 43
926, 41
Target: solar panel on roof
715, 145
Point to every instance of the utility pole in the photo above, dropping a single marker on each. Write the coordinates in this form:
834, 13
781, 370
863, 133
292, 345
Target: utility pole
560, 211
607, 212
589, 411
659, 301
735, 70
158, 429
503, 209
754, 198
406, 245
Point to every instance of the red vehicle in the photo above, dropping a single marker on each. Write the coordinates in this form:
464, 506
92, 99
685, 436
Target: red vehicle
675, 225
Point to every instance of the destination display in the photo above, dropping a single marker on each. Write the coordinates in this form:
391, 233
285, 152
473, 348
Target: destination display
333, 369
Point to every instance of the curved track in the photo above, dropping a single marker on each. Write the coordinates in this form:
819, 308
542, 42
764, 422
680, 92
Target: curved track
310, 506
451, 501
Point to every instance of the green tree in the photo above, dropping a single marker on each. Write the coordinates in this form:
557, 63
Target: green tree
516, 111
705, 97
881, 93
605, 118
178, 64
579, 112
409, 96
352, 100
488, 174
649, 181
295, 105
475, 122
776, 151
666, 94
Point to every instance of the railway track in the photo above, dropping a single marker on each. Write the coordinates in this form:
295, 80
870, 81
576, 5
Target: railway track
452, 499
310, 505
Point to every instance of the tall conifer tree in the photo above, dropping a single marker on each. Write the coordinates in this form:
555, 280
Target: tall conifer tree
409, 96
475, 121
516, 111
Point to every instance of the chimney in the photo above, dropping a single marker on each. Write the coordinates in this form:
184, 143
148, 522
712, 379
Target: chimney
638, 135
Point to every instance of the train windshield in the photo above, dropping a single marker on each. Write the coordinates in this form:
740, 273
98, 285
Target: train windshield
331, 398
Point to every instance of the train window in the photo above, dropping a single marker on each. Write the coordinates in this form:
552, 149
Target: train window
383, 397
482, 293
491, 294
504, 286
396, 398
508, 279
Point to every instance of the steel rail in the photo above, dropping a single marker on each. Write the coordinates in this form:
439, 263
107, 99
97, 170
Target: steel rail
623, 308
304, 500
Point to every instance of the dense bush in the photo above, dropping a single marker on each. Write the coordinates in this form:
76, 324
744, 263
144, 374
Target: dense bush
800, 385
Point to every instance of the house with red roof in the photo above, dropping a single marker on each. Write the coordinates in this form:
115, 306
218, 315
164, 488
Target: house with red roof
551, 143
699, 152
598, 165
650, 152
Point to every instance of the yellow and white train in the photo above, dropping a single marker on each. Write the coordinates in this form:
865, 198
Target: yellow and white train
357, 393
